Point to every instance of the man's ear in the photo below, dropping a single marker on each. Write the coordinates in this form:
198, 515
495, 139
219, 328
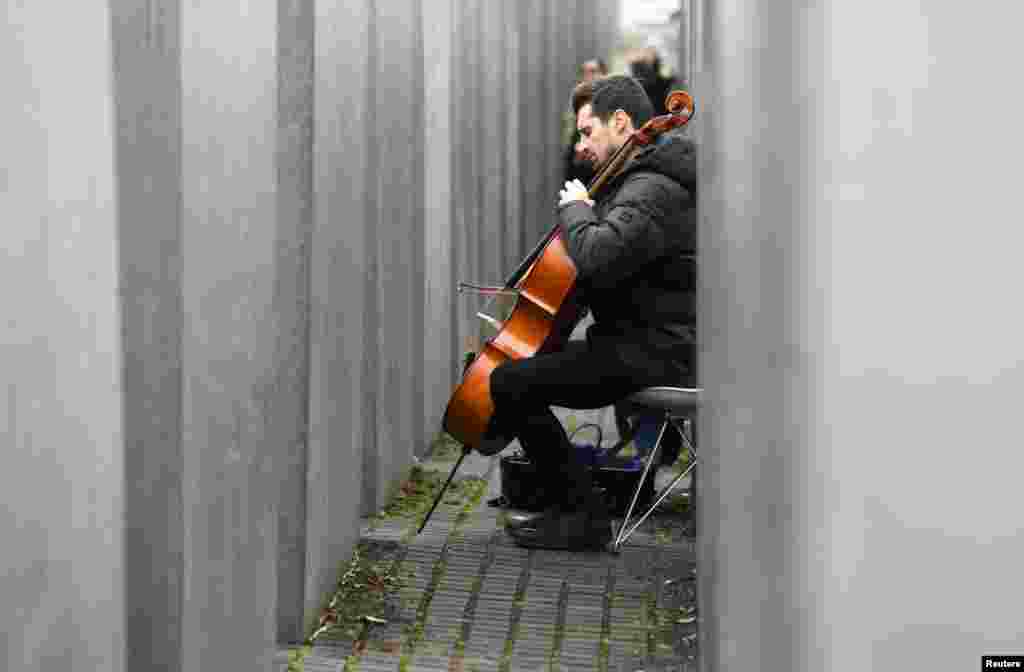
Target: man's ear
622, 121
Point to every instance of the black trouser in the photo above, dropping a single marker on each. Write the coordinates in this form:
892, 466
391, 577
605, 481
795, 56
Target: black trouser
580, 377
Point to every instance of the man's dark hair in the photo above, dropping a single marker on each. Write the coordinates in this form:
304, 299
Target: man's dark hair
608, 94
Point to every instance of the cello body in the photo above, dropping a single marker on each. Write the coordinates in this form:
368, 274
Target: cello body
545, 312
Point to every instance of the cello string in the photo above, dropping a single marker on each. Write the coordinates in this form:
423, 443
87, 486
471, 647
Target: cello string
486, 289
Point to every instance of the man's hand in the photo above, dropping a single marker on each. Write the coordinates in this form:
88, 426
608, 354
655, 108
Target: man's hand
574, 191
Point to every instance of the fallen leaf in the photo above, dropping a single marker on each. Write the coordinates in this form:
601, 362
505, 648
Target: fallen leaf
328, 616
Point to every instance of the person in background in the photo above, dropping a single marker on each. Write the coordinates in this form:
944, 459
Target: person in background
646, 68
574, 167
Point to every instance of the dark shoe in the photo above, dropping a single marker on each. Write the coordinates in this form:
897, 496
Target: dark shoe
544, 499
588, 526
565, 530
531, 506
517, 518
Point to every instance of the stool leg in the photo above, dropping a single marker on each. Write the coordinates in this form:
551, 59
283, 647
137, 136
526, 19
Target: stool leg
636, 495
661, 497
624, 534
691, 443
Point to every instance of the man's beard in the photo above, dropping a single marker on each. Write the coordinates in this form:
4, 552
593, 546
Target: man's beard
583, 168
591, 163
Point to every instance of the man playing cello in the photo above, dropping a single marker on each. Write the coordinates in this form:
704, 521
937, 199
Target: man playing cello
634, 252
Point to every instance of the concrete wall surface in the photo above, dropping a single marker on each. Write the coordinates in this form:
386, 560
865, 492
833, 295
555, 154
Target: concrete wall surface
861, 354
61, 420
232, 233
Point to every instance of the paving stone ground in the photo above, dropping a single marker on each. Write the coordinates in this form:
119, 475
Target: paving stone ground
487, 605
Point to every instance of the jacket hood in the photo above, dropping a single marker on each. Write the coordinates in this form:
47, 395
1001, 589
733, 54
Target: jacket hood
673, 155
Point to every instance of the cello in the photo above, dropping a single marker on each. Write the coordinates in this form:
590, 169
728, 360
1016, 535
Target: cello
547, 305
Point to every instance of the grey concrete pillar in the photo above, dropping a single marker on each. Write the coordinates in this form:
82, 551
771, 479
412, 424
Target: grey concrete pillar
466, 174
592, 47
289, 391
395, 140
514, 248
494, 109
683, 66
342, 418
231, 334
61, 421
534, 92
553, 104
606, 26
147, 84
569, 57
860, 338
441, 351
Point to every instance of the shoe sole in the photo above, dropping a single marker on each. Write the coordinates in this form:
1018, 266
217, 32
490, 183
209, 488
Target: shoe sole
529, 541
526, 542
519, 522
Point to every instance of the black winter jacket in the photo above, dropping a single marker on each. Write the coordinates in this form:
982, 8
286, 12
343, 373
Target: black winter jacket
635, 251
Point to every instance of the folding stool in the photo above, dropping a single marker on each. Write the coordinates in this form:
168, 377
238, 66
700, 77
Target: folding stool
672, 404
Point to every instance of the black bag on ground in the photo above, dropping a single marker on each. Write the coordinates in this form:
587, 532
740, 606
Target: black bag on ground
524, 488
